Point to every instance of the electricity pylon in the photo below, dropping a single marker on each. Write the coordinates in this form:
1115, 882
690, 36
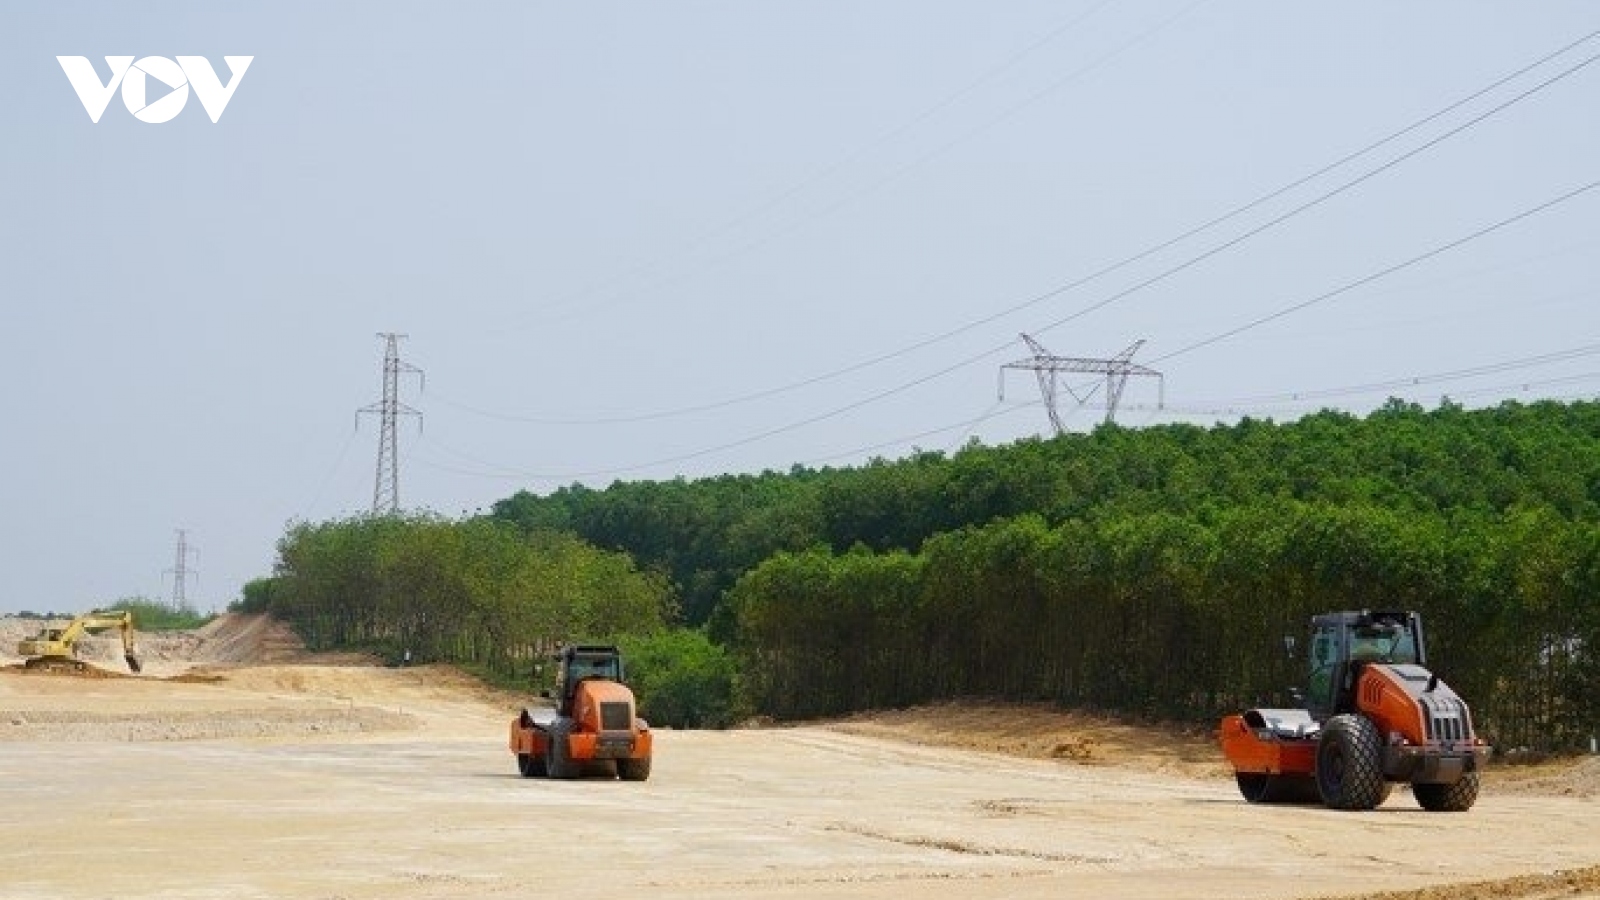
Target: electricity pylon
180, 570
386, 488
1047, 367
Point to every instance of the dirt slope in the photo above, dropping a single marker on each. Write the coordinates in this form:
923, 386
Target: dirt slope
1568, 884
229, 639
1039, 731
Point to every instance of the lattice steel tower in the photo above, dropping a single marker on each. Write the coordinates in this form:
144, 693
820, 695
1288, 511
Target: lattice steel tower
180, 570
1047, 367
386, 488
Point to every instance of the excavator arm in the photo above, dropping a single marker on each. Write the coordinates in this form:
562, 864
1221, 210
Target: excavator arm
56, 646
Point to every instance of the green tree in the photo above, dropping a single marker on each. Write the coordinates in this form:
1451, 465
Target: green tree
157, 615
683, 680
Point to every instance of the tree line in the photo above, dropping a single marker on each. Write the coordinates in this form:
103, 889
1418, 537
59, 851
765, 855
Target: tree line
1153, 571
1177, 617
705, 533
494, 599
475, 592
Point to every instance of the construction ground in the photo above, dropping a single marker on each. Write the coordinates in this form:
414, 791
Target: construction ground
237, 766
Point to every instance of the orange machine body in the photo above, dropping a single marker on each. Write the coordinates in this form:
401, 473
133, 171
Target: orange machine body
589, 739
593, 728
1372, 716
1425, 726
1259, 742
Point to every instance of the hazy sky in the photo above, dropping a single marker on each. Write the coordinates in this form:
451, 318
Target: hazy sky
652, 239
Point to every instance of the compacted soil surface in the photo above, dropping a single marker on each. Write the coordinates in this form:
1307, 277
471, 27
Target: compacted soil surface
237, 766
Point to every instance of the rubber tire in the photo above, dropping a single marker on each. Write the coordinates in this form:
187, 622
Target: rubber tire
1350, 763
634, 769
600, 768
559, 762
530, 766
1257, 787
1457, 797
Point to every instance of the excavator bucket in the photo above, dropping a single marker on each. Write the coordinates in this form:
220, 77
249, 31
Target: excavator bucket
133, 663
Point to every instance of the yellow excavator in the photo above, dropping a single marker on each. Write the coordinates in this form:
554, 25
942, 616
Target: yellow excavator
56, 648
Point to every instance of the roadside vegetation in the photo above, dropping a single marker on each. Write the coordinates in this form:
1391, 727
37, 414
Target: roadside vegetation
148, 614
493, 599
160, 615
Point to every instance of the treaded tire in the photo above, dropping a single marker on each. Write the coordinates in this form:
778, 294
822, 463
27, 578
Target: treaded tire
1457, 797
558, 763
1257, 787
1350, 763
530, 766
633, 769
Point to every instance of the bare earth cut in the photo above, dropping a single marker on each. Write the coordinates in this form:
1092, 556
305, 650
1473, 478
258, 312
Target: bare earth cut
236, 766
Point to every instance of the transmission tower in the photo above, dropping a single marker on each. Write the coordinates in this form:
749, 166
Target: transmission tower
180, 570
1047, 367
386, 489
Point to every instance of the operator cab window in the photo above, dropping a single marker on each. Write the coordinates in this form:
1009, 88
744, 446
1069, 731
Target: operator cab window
1383, 642
594, 668
1324, 656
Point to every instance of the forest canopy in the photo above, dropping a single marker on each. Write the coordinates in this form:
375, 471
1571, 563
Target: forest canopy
1152, 571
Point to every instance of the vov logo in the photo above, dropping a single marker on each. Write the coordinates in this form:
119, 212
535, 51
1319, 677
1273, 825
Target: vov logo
134, 77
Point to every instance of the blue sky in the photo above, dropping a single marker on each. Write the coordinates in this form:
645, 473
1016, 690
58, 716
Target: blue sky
645, 240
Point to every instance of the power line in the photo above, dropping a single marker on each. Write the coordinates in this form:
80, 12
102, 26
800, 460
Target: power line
1234, 407
486, 468
882, 139
1198, 410
897, 173
1415, 381
1124, 262
993, 412
1189, 263
1047, 366
1316, 201
1382, 273
322, 486
901, 388
901, 171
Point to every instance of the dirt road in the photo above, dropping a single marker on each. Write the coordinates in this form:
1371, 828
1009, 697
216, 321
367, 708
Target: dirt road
308, 781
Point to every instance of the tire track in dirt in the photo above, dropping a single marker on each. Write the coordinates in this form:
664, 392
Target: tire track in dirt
969, 847
77, 726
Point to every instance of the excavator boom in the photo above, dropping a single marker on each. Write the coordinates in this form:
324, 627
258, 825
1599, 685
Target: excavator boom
57, 647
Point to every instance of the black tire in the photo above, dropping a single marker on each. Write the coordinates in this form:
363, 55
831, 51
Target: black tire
530, 766
558, 762
634, 769
1350, 763
1257, 787
600, 768
1457, 797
